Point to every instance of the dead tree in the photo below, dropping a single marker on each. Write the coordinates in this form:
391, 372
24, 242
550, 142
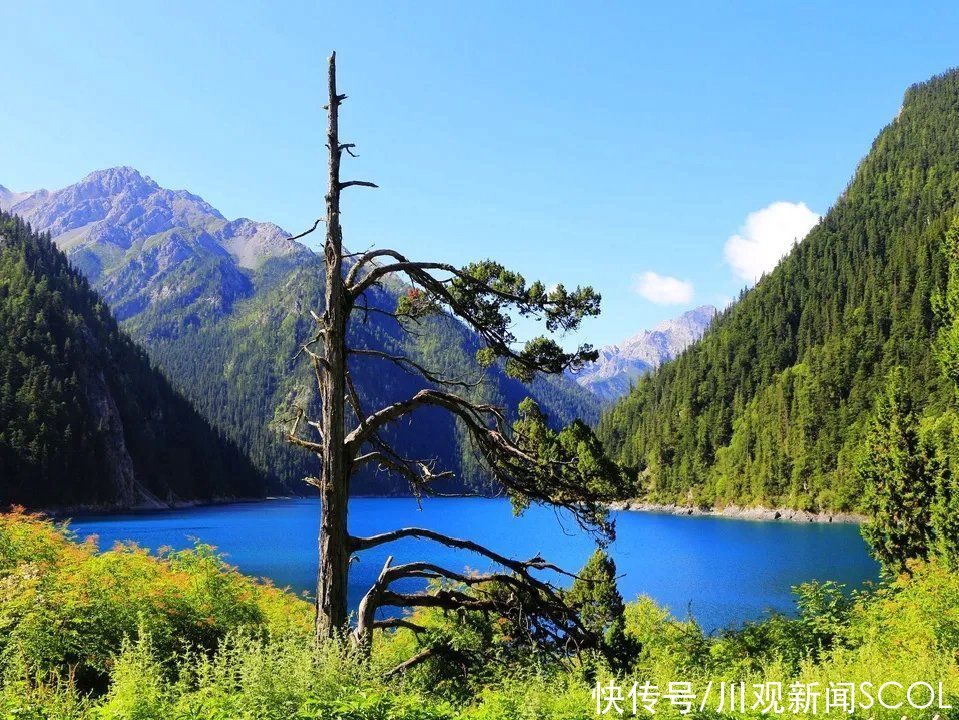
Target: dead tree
529, 460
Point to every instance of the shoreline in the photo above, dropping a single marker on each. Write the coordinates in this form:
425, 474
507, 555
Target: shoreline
60, 513
738, 512
732, 512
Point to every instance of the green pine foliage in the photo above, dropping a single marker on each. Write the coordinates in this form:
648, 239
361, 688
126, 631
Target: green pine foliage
908, 464
946, 306
900, 471
602, 611
772, 405
944, 429
85, 419
595, 595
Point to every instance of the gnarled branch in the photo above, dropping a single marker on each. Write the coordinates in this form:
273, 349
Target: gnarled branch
421, 657
390, 413
515, 468
518, 594
495, 335
358, 544
537, 607
419, 473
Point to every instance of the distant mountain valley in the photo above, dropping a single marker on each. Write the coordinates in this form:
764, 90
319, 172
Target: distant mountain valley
222, 306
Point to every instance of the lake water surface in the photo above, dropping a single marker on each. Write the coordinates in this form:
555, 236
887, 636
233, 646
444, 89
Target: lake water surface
723, 571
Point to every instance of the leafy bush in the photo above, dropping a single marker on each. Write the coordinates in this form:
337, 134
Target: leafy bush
66, 609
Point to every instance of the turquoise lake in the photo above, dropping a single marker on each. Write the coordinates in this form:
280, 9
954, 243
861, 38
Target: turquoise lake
722, 571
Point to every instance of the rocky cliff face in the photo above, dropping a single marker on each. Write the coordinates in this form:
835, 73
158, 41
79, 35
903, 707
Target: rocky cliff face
618, 366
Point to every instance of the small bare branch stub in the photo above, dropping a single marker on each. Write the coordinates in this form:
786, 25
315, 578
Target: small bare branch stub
357, 183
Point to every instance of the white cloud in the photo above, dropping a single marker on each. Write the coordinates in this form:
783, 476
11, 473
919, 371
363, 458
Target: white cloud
662, 289
767, 236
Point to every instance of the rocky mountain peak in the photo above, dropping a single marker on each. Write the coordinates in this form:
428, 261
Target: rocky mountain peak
618, 366
673, 335
115, 181
116, 206
98, 219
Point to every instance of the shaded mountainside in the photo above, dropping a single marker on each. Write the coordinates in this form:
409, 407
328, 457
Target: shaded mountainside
770, 406
619, 366
222, 307
84, 417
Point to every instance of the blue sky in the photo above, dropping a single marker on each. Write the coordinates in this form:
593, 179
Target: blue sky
619, 145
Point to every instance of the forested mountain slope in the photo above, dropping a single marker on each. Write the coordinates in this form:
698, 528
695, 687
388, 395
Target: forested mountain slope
84, 417
770, 406
223, 306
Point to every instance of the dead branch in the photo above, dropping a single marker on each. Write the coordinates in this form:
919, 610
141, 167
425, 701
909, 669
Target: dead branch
365, 259
306, 444
396, 623
419, 473
358, 544
354, 399
538, 603
510, 465
307, 232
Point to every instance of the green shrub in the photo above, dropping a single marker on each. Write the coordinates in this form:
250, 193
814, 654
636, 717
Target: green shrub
66, 609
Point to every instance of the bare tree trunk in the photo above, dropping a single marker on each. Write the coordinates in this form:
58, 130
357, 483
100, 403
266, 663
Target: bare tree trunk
331, 606
479, 298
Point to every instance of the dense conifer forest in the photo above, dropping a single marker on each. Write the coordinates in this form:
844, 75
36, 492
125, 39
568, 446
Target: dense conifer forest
85, 419
771, 407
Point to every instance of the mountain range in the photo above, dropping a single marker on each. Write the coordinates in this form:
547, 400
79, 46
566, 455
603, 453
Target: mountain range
222, 307
143, 246
619, 366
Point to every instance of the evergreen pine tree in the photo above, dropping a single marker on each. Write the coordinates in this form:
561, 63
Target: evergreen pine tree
899, 472
601, 608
